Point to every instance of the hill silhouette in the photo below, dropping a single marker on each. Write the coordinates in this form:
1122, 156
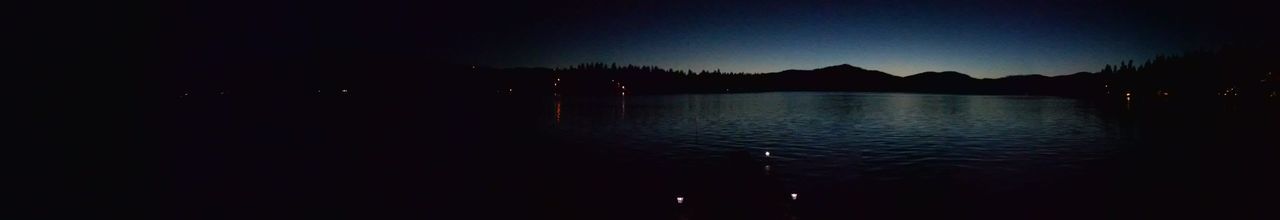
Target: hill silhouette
943, 82
835, 78
1242, 71
1231, 71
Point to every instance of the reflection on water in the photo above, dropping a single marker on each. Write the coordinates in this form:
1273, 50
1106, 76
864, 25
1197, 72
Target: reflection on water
557, 103
860, 149
820, 138
613, 157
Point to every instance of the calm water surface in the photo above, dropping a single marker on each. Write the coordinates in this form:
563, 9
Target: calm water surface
847, 155
818, 139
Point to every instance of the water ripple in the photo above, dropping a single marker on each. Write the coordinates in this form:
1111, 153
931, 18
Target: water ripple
817, 136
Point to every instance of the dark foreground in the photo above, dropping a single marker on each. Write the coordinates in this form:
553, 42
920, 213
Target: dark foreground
362, 157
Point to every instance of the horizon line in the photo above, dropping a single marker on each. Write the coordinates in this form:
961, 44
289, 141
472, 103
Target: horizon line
779, 71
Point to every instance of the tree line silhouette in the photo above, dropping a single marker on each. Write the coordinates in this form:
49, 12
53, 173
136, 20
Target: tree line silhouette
1233, 71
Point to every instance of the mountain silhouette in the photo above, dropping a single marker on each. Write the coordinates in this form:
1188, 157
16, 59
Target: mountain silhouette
1196, 75
944, 82
1233, 71
843, 77
940, 76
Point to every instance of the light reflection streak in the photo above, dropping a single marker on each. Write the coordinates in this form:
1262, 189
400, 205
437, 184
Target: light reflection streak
557, 104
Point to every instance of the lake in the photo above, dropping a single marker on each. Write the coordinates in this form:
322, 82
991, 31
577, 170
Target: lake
845, 155
989, 156
819, 138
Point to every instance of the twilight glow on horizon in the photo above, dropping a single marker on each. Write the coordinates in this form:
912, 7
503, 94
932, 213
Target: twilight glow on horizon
985, 40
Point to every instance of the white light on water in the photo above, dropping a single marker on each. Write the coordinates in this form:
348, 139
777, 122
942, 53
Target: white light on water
793, 196
766, 153
679, 200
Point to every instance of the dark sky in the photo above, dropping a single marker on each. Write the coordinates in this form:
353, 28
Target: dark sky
980, 38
